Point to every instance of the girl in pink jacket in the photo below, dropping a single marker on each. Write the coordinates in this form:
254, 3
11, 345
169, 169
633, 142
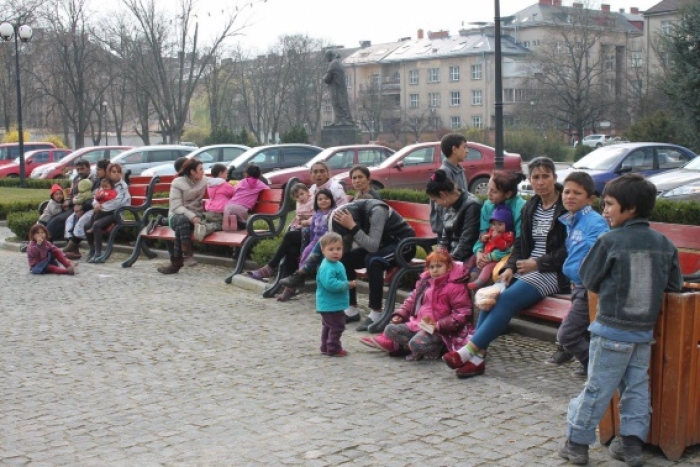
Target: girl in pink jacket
244, 198
438, 312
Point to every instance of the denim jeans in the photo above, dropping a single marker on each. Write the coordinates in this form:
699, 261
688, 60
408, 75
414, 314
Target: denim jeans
613, 365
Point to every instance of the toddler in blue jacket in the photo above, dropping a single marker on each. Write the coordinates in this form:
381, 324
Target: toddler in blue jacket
332, 294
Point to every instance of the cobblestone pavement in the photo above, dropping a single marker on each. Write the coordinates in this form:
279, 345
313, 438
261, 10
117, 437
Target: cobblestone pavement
128, 367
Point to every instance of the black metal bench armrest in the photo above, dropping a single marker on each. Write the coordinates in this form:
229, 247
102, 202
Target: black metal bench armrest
280, 216
406, 243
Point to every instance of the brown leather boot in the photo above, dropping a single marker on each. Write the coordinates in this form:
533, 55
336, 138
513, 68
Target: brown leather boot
72, 250
174, 266
188, 254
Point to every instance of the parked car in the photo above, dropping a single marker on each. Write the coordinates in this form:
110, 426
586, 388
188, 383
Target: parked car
338, 158
682, 183
33, 160
411, 167
10, 151
275, 157
609, 162
209, 155
65, 166
595, 141
135, 161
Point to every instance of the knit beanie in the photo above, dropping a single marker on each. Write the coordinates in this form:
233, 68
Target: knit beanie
84, 185
502, 214
56, 188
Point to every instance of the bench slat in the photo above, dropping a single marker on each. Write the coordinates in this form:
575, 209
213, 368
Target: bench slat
549, 308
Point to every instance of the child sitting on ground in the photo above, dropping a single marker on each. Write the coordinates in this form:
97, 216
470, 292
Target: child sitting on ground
498, 242
323, 205
43, 256
244, 198
436, 313
220, 192
332, 294
629, 268
55, 206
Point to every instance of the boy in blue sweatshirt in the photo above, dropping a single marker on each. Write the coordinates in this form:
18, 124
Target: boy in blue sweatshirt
629, 268
332, 294
583, 227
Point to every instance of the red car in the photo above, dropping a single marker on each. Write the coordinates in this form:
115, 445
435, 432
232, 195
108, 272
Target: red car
338, 158
66, 165
32, 160
411, 167
10, 151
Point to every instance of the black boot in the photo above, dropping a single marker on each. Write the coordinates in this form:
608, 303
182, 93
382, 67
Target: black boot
294, 281
174, 266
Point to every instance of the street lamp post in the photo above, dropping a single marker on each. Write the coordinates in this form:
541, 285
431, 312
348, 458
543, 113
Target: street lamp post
104, 110
24, 32
499, 87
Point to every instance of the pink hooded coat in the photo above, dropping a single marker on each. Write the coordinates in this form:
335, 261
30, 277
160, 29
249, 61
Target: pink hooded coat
447, 301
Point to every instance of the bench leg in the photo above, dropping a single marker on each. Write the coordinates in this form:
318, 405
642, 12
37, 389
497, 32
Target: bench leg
389, 303
110, 244
147, 251
140, 243
242, 255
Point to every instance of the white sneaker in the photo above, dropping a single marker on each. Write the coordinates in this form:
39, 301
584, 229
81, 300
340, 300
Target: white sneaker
200, 231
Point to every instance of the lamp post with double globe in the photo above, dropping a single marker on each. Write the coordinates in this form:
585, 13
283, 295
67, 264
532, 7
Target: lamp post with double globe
498, 160
104, 110
20, 33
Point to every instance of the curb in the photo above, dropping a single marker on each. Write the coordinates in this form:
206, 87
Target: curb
547, 333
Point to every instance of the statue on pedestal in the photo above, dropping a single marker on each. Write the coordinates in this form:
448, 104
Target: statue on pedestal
335, 79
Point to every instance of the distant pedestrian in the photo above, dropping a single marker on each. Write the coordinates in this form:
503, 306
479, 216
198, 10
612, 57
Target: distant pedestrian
629, 268
43, 256
332, 294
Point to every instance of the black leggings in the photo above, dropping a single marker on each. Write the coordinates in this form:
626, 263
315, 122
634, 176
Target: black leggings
101, 221
290, 249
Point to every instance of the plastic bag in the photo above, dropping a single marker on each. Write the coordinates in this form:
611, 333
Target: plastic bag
487, 297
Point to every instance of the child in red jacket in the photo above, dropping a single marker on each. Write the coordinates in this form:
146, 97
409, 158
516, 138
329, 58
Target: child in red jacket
497, 244
43, 256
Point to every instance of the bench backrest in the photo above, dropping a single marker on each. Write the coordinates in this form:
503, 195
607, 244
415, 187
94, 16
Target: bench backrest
687, 239
417, 215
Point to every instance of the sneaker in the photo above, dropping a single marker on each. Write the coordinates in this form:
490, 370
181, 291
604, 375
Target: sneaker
294, 281
453, 360
627, 449
340, 353
364, 325
470, 369
369, 342
71, 270
200, 231
286, 294
263, 273
575, 453
382, 342
23, 247
559, 357
352, 314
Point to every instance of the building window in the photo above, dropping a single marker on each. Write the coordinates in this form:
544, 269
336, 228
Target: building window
455, 98
348, 81
477, 97
610, 86
327, 108
454, 73
374, 79
434, 99
509, 95
476, 71
396, 78
665, 61
327, 122
455, 122
637, 59
433, 75
666, 27
413, 101
412, 76
477, 121
637, 87
561, 48
609, 62
435, 123
525, 44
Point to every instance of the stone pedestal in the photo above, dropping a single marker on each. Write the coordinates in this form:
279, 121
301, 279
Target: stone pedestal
340, 135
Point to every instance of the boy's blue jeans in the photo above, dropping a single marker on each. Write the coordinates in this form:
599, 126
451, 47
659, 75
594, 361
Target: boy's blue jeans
613, 365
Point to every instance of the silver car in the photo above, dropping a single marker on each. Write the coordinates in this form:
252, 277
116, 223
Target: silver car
209, 155
137, 160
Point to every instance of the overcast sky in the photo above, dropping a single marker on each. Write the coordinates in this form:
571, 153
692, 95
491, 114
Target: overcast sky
347, 22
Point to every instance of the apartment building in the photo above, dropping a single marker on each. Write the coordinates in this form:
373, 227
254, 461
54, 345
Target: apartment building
658, 22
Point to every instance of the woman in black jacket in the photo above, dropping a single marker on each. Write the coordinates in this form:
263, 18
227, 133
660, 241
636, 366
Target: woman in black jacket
533, 271
460, 216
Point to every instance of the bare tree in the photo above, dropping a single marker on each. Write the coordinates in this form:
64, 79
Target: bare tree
417, 122
568, 70
171, 59
373, 107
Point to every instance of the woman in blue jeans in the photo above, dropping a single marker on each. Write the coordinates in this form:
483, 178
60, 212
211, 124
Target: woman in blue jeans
533, 271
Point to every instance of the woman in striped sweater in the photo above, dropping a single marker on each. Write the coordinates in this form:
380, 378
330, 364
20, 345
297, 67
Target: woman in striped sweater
533, 271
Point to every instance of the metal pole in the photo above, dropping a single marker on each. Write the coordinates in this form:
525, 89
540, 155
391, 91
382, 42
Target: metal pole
106, 136
19, 114
499, 87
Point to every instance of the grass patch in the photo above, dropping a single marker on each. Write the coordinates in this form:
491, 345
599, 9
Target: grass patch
9, 195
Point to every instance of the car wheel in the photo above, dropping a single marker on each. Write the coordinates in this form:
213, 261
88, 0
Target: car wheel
480, 186
12, 176
598, 145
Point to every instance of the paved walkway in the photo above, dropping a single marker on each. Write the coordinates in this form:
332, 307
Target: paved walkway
126, 367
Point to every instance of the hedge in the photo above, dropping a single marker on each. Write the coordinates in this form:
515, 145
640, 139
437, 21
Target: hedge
35, 183
20, 223
17, 206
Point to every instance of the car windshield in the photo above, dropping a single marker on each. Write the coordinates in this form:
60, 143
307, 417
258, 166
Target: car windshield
204, 156
243, 157
600, 159
397, 156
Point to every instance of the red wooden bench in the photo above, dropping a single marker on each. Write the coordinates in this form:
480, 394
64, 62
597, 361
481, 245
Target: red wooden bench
271, 208
685, 237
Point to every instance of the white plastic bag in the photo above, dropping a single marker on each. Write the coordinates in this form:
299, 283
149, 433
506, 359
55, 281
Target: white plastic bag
486, 297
